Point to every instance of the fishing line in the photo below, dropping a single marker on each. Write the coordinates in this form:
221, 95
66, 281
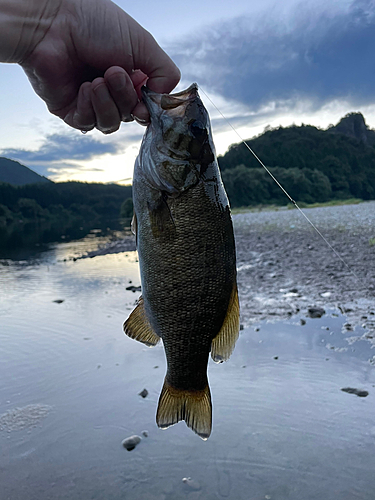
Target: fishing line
284, 190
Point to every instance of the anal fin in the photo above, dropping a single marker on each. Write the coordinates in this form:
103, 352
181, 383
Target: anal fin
138, 327
223, 344
194, 407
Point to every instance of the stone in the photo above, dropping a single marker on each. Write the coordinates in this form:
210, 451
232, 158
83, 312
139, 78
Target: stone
316, 312
131, 442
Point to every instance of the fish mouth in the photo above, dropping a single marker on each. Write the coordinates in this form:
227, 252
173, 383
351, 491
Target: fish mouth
168, 101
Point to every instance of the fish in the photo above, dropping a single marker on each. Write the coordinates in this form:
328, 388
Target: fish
186, 252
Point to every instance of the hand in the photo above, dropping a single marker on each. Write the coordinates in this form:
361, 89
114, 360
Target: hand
91, 63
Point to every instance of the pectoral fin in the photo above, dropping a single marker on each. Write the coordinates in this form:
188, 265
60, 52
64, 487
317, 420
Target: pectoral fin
161, 220
134, 228
138, 327
223, 344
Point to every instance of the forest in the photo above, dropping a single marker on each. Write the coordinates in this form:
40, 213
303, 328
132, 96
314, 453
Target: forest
45, 212
312, 164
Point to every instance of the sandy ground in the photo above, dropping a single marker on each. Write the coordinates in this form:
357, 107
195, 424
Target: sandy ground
285, 267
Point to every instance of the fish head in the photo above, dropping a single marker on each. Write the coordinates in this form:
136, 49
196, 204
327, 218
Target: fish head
179, 136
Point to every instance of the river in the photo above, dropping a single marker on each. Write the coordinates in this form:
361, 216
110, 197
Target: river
69, 394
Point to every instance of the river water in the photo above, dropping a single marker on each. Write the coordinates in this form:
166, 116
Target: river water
69, 394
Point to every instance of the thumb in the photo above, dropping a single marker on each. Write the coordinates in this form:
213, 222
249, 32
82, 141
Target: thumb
148, 57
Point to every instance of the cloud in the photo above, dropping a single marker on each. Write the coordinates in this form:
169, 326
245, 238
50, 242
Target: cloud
314, 55
61, 153
58, 147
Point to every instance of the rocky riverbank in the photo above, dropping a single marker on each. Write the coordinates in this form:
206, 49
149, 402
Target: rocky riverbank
285, 267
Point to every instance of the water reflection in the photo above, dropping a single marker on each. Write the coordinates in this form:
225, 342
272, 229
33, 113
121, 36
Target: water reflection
283, 429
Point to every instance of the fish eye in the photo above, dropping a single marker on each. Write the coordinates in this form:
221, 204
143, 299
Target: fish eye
197, 129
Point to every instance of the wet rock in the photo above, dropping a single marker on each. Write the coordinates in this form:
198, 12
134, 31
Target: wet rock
303, 322
191, 483
133, 288
131, 442
58, 301
316, 312
357, 392
143, 393
276, 357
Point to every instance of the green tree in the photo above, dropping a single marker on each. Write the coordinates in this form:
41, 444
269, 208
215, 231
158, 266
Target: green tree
126, 210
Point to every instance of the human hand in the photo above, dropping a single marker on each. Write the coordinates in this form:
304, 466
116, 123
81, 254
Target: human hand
91, 63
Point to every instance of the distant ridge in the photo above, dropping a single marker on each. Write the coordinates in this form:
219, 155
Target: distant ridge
12, 172
354, 125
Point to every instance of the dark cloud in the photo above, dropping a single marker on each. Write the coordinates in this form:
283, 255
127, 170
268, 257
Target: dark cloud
59, 147
59, 152
317, 56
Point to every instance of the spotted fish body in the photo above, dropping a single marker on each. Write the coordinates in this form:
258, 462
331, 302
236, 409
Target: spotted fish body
186, 253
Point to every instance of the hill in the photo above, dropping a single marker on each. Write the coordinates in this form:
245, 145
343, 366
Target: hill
312, 164
12, 172
354, 125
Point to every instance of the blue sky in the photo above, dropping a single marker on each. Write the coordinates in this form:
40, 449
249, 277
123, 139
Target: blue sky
262, 63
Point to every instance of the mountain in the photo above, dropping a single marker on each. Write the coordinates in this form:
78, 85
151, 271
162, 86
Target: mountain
354, 125
12, 172
311, 163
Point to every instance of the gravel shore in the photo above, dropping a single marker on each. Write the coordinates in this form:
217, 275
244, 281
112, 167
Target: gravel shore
285, 267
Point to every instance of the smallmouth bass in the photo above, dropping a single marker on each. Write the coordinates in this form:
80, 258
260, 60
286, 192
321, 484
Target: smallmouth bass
186, 251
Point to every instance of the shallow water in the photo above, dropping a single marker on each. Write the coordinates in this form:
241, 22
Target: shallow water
69, 394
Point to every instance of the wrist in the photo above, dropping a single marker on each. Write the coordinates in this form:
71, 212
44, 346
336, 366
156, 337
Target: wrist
23, 24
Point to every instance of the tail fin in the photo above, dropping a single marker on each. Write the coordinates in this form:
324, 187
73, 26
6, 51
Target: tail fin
192, 406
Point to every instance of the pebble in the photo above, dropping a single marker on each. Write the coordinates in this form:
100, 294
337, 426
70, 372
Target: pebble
143, 393
357, 392
58, 301
133, 288
131, 442
191, 483
316, 312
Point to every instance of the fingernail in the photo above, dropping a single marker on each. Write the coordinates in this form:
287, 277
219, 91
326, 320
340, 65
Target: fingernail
102, 93
140, 121
118, 81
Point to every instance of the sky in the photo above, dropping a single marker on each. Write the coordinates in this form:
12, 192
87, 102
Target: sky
261, 63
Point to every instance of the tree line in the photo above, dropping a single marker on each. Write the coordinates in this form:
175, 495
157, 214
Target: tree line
313, 165
45, 212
